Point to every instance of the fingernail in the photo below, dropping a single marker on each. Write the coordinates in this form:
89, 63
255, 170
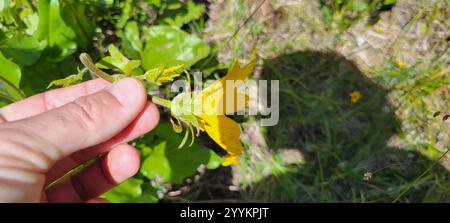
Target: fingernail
126, 91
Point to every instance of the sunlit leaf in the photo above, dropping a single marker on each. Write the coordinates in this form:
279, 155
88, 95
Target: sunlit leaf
68, 81
53, 29
130, 40
132, 190
10, 71
74, 14
119, 61
23, 49
168, 46
183, 15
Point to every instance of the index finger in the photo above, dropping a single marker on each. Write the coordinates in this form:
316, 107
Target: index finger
49, 100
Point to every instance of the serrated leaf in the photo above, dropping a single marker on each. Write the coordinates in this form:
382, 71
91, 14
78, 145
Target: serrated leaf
68, 81
119, 61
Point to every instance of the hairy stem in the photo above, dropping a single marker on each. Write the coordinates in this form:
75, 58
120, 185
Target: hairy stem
87, 62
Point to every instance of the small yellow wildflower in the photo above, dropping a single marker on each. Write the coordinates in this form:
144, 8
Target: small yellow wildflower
355, 96
400, 64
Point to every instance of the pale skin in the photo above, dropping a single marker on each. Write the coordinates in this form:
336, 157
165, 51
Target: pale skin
45, 136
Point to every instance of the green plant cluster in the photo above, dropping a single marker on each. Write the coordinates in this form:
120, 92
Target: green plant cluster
40, 42
345, 12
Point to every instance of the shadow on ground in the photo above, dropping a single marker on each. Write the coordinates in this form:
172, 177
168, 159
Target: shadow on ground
339, 141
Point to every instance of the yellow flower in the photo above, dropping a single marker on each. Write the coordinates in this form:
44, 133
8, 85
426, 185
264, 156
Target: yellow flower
400, 64
355, 96
223, 130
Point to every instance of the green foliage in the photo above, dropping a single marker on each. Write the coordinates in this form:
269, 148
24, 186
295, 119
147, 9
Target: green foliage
24, 49
119, 61
169, 46
40, 42
344, 13
53, 29
177, 14
163, 158
10, 71
133, 190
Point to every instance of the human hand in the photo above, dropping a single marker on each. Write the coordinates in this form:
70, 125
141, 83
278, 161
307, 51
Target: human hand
45, 136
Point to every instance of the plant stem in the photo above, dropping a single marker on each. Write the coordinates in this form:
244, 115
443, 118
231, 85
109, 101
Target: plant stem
87, 62
161, 101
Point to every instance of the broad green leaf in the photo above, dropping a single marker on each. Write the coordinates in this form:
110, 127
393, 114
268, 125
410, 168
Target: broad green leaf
74, 14
10, 75
9, 93
168, 46
170, 163
23, 49
51, 27
10, 71
132, 190
130, 40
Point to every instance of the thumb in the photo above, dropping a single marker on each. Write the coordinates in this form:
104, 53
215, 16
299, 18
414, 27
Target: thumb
85, 122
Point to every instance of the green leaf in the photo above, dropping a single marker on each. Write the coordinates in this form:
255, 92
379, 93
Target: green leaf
10, 71
30, 18
168, 46
35, 78
389, 2
183, 15
68, 81
9, 93
327, 14
171, 164
132, 190
23, 49
74, 14
156, 3
360, 6
130, 40
119, 61
52, 28
10, 75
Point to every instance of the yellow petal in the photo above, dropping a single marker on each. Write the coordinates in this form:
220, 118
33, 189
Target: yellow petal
230, 160
224, 131
214, 97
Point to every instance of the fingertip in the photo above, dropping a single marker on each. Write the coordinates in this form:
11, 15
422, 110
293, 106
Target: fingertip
128, 91
152, 115
121, 163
